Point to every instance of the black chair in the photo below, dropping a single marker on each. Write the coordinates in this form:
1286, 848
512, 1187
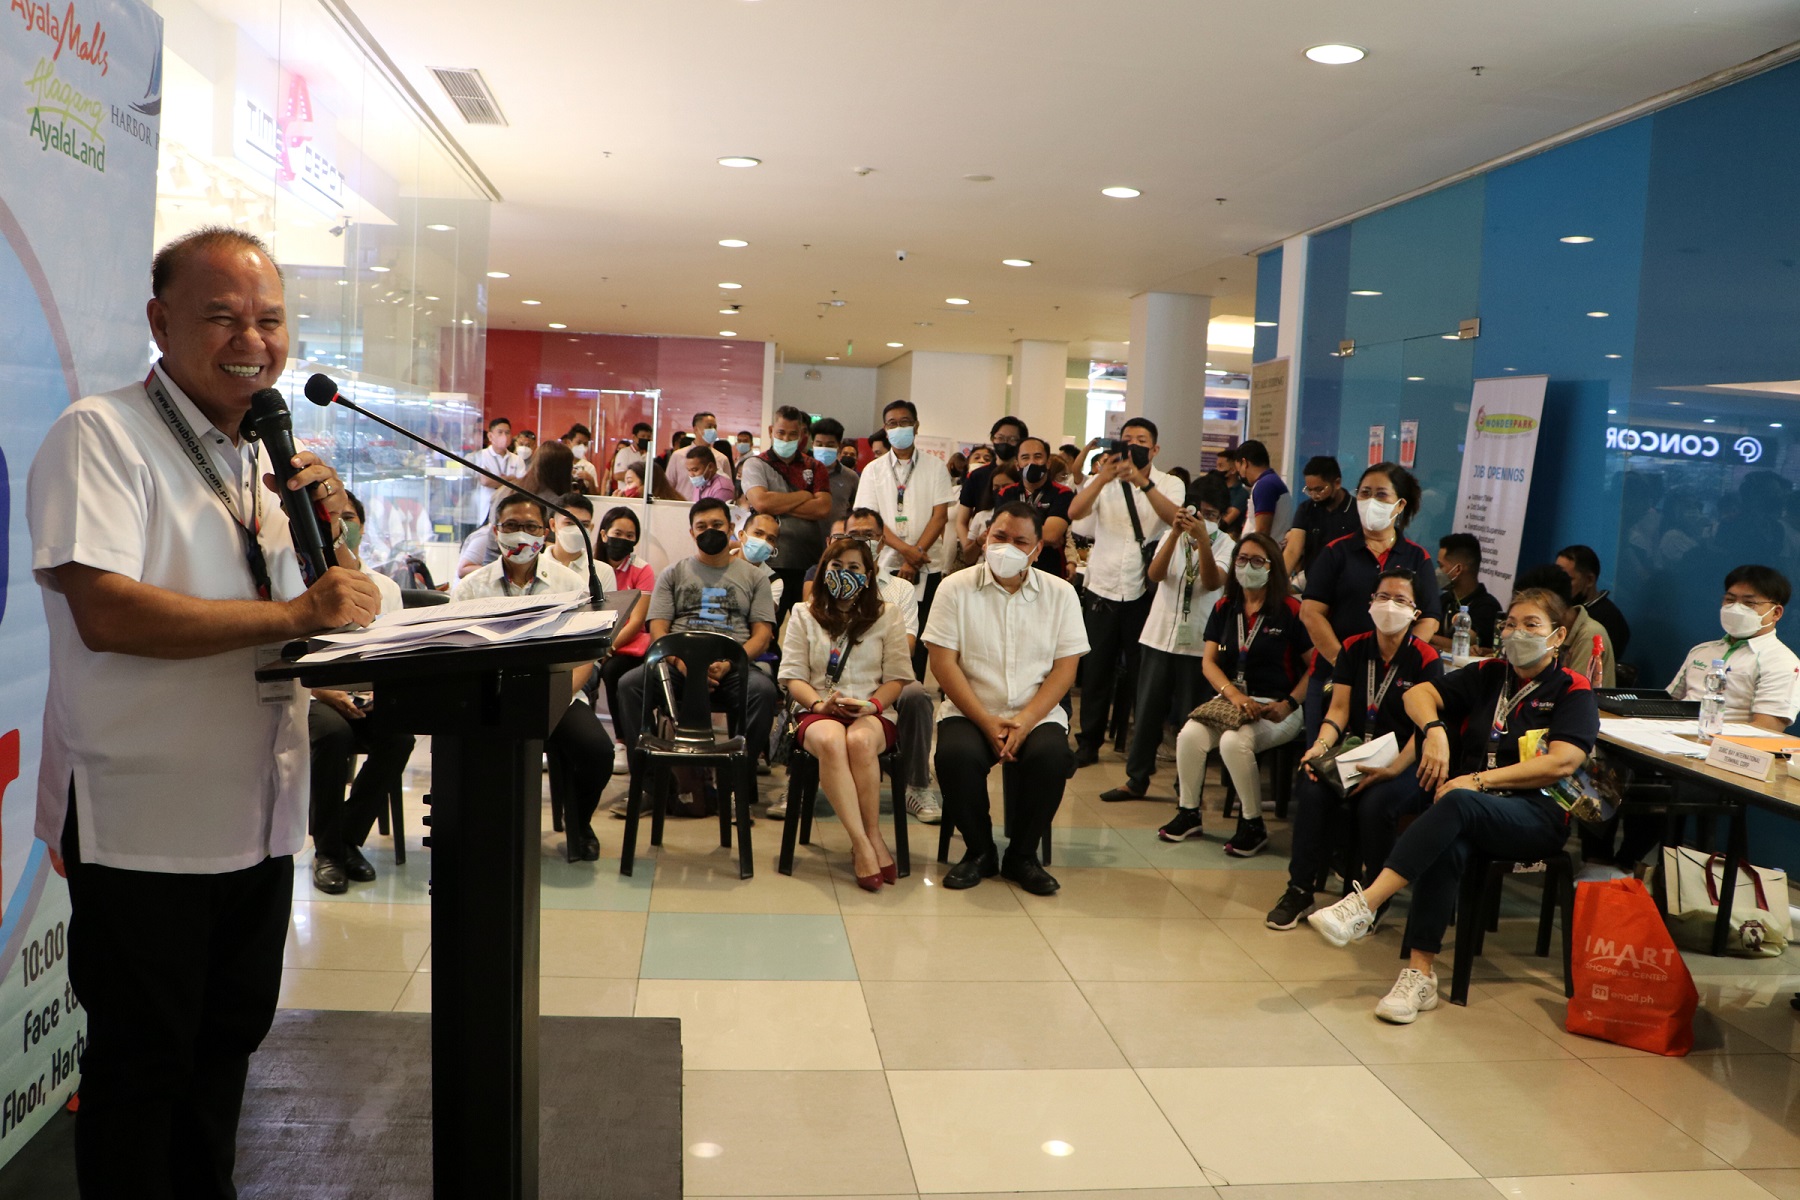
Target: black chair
681, 706
947, 823
1478, 914
420, 598
1283, 761
394, 814
803, 795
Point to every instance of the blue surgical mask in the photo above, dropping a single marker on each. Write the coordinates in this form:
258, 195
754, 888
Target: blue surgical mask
825, 454
785, 449
901, 437
757, 551
711, 435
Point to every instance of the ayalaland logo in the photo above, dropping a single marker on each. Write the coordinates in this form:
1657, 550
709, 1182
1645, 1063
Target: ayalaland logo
1502, 424
64, 118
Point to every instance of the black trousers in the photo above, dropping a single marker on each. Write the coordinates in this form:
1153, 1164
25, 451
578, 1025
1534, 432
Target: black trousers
337, 821
1036, 781
613, 669
1360, 827
1113, 629
920, 654
793, 583
582, 754
179, 975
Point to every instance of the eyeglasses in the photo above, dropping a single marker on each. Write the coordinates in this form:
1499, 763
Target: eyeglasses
900, 423
1529, 625
1385, 495
1258, 561
859, 537
1318, 493
530, 527
1384, 598
1750, 602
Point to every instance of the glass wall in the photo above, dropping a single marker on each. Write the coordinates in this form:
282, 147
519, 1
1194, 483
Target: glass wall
274, 122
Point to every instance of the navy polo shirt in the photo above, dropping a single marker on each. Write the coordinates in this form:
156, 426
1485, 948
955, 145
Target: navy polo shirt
1418, 663
1323, 525
1343, 578
1562, 704
1278, 652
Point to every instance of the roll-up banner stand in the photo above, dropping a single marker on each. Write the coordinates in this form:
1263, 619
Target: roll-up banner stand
80, 109
1498, 451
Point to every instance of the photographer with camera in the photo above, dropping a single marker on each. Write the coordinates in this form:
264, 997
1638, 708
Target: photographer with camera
1133, 505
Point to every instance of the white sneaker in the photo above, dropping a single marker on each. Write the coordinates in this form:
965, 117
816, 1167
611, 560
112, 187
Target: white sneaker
925, 803
1413, 993
621, 758
777, 810
1349, 920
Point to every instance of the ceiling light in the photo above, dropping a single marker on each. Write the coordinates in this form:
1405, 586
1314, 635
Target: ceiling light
499, 275
305, 316
343, 283
440, 228
468, 320
733, 243
1576, 239
557, 325
1415, 379
1213, 372
895, 345
1121, 193
431, 297
727, 333
1264, 324
1612, 412
1364, 292
533, 303
739, 160
1615, 356
1015, 262
1774, 424
731, 287
958, 300
1451, 337
1335, 54
1599, 314
831, 358
1709, 420
381, 270
1056, 1148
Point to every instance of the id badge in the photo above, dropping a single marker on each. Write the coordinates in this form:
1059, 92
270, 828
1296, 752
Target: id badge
277, 692
1184, 635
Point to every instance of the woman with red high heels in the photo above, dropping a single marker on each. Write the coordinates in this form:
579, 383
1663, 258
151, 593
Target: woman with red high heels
844, 659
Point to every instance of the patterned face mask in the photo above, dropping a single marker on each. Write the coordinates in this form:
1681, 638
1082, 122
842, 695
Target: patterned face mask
844, 584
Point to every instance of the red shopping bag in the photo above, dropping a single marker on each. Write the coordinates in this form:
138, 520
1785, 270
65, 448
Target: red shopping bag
1631, 986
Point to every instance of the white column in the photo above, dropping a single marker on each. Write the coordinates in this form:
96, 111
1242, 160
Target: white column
1166, 378
1039, 375
1287, 345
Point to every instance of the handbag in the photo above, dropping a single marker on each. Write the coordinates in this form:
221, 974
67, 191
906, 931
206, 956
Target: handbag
787, 729
1325, 769
1627, 981
1221, 714
1761, 926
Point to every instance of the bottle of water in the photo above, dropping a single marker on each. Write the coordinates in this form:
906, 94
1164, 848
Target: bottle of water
1712, 702
1461, 637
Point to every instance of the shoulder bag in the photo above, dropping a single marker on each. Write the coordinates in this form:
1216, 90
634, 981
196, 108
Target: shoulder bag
1146, 550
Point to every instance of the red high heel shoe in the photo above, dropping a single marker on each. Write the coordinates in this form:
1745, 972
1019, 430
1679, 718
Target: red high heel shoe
869, 883
890, 873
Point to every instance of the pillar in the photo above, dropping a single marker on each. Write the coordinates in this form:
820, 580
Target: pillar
1166, 379
1288, 333
1039, 375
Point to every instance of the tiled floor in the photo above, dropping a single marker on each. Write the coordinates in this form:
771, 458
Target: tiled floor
1140, 1034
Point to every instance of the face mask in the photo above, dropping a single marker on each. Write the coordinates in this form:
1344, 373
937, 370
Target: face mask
1391, 618
785, 449
1035, 474
712, 541
353, 532
1006, 561
1139, 455
524, 453
619, 549
901, 438
710, 435
825, 454
1444, 579
758, 551
1252, 577
520, 547
843, 584
500, 441
1006, 451
572, 539
1740, 622
643, 443
1376, 515
743, 447
1524, 649
1212, 530
579, 449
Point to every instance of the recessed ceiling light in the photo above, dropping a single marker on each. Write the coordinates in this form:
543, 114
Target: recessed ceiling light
1057, 1148
431, 297
1774, 424
1576, 239
305, 316
557, 325
955, 300
1336, 54
468, 320
381, 270
1509, 368
739, 160
1709, 420
895, 345
731, 287
1615, 356
1121, 193
1264, 324
1451, 337
1599, 314
343, 283
1415, 379
727, 333
831, 358
1015, 262
499, 275
728, 312
733, 243
440, 228
1364, 292
1612, 412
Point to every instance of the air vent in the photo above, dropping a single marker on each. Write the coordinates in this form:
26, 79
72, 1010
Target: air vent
469, 92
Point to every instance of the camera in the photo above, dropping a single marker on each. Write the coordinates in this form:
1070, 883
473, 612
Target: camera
899, 256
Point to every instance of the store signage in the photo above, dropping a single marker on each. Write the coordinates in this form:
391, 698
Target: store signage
282, 143
1677, 444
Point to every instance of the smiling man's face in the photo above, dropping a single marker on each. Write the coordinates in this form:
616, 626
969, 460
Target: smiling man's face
221, 324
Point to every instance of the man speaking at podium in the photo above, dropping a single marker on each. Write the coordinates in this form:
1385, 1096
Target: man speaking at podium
173, 783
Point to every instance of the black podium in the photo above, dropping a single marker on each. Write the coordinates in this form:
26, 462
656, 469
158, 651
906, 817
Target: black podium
488, 711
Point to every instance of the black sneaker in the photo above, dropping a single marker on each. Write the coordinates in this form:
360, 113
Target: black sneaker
1248, 841
1185, 825
1294, 904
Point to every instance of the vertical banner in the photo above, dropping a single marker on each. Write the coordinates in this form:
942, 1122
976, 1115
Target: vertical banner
1377, 444
1409, 443
80, 108
1498, 448
1267, 422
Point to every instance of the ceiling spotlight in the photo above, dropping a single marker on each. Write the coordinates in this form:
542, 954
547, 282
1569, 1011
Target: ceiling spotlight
1415, 379
1615, 356
1709, 420
739, 160
1774, 424
727, 333
1335, 54
1576, 239
831, 358
499, 275
557, 325
731, 287
343, 283
733, 243
1121, 193
468, 320
1364, 292
1599, 314
957, 300
1265, 324
381, 270
440, 228
1015, 262
895, 345
728, 312
533, 303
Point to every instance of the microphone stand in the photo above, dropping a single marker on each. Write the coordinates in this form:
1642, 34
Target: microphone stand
595, 593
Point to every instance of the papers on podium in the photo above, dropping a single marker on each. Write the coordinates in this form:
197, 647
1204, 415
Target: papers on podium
466, 623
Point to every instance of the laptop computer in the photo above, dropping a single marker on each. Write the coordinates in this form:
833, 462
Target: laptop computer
1635, 702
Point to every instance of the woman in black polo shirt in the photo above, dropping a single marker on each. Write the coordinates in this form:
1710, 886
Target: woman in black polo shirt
1368, 690
1496, 733
1256, 658
1342, 577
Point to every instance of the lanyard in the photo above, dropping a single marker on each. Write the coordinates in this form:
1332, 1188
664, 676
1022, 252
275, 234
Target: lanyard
912, 464
1190, 571
834, 665
1244, 644
1503, 712
1374, 697
190, 442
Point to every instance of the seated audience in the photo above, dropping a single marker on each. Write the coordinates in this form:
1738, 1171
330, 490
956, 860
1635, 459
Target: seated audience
1459, 582
617, 540
1584, 632
1004, 642
754, 542
1374, 672
630, 484
574, 542
1256, 658
1327, 514
1037, 487
1189, 572
844, 656
1486, 789
1583, 566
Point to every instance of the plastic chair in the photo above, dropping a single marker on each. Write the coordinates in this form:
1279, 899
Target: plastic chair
803, 795
1478, 914
682, 705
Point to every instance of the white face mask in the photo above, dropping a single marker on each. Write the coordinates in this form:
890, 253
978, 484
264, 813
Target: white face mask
579, 449
1006, 561
572, 539
1377, 515
524, 453
520, 547
1391, 618
1740, 622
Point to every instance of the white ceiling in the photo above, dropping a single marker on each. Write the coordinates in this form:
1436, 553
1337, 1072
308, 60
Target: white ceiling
619, 108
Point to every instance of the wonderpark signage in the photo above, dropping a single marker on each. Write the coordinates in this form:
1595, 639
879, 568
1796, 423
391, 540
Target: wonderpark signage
1499, 448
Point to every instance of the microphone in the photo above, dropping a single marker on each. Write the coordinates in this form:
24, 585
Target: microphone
269, 422
323, 392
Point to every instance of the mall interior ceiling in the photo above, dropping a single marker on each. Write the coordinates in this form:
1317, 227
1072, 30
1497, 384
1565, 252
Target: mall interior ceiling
907, 149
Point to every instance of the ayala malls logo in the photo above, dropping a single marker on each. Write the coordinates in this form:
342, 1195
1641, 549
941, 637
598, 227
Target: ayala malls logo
65, 119
1502, 424
88, 45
